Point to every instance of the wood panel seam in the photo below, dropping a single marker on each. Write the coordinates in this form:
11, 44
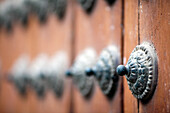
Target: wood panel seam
138, 41
122, 53
138, 22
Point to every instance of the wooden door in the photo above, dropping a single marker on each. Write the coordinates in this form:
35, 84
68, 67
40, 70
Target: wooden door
148, 21
130, 103
124, 24
155, 28
100, 28
50, 37
12, 45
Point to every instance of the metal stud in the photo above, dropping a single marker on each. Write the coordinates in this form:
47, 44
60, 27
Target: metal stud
17, 74
110, 2
5, 20
56, 69
37, 72
87, 5
37, 7
17, 12
105, 70
58, 7
141, 71
85, 84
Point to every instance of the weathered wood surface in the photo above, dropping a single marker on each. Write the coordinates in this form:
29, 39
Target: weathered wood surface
97, 30
155, 28
130, 42
50, 37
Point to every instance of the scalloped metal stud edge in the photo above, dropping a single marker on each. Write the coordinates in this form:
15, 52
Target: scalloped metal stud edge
17, 75
86, 59
141, 71
38, 8
57, 65
58, 7
87, 5
105, 70
110, 2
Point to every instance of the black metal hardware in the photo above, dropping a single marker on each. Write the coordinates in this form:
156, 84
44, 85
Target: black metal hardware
37, 7
110, 2
141, 71
56, 68
5, 20
87, 4
58, 7
19, 82
77, 71
56, 83
37, 72
17, 74
105, 70
69, 73
17, 12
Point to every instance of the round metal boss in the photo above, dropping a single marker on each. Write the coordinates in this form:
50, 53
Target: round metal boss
38, 8
141, 71
58, 7
105, 70
84, 60
56, 83
110, 2
57, 65
87, 4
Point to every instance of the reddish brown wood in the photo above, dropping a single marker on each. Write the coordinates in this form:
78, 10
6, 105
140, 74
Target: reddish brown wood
155, 28
130, 42
97, 30
11, 46
36, 38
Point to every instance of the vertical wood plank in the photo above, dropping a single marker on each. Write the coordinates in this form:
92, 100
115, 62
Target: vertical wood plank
97, 30
53, 36
155, 28
36, 38
12, 45
130, 42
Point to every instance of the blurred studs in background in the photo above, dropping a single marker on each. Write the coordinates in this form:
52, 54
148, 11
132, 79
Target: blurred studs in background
12, 11
57, 7
57, 65
38, 8
17, 74
105, 70
87, 5
42, 74
110, 2
17, 13
36, 71
5, 20
84, 84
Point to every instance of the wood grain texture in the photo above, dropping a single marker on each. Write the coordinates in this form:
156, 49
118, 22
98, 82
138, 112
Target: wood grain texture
130, 42
50, 37
97, 30
155, 28
12, 45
